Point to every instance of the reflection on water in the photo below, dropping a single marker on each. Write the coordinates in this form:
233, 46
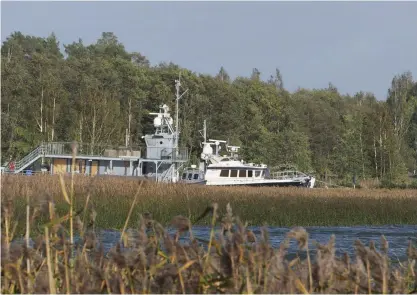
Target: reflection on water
398, 237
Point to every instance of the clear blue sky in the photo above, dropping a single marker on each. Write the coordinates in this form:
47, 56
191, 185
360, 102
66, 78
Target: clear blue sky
354, 45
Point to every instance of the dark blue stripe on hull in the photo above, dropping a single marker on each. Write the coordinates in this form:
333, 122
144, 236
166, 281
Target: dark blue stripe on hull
287, 184
200, 182
203, 182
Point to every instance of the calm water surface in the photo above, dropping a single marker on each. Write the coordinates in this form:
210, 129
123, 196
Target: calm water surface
398, 237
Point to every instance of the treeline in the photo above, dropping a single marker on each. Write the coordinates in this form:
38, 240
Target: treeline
94, 93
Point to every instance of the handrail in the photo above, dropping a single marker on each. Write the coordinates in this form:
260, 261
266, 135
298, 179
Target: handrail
165, 176
65, 148
288, 174
25, 161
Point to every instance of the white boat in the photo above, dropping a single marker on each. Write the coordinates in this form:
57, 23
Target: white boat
193, 175
229, 170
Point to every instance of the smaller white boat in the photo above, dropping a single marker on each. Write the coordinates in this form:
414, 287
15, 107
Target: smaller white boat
229, 170
193, 176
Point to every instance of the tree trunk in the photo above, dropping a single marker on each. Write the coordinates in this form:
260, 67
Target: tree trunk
93, 135
81, 130
363, 161
129, 136
375, 159
53, 120
40, 122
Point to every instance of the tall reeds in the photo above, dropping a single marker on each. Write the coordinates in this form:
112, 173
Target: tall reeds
234, 260
277, 206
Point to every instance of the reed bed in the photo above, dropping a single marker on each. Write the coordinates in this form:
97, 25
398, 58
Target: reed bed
112, 199
148, 259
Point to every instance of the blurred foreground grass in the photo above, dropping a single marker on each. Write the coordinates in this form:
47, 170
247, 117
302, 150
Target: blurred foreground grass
149, 260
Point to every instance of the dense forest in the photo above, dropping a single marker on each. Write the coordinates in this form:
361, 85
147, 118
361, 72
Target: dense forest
94, 93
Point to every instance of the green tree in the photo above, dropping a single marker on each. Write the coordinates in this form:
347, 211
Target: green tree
100, 92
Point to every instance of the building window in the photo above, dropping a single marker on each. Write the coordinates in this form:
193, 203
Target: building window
233, 173
127, 165
224, 173
81, 166
242, 173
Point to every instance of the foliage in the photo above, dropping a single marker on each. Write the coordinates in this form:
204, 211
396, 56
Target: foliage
99, 92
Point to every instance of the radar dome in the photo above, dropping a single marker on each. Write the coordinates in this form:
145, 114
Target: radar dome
207, 151
157, 122
166, 108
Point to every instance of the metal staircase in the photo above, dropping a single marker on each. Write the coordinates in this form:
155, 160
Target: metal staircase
166, 176
27, 160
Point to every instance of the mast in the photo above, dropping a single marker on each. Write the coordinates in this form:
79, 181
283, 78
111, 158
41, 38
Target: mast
177, 132
205, 140
177, 96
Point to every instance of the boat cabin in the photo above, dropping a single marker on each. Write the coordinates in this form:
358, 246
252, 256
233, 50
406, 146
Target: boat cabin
237, 172
192, 175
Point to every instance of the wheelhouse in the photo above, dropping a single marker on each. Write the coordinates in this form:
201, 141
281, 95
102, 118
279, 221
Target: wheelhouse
191, 175
238, 172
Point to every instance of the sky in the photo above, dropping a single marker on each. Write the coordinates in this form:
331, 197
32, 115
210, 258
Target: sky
357, 46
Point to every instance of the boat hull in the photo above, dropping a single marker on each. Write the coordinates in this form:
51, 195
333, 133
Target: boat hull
198, 182
262, 184
306, 182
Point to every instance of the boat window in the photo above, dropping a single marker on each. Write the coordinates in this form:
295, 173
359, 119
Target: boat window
224, 173
242, 173
263, 173
184, 175
250, 173
224, 160
233, 173
196, 176
190, 176
257, 173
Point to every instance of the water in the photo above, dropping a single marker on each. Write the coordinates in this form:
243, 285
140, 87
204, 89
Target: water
398, 237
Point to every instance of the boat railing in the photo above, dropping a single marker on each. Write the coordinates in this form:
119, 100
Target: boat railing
288, 174
169, 154
87, 149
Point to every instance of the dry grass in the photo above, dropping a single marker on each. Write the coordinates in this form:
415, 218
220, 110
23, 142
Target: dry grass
149, 260
112, 199
16, 185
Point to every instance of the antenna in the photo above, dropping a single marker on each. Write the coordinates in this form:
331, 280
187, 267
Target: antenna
177, 86
178, 96
205, 131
